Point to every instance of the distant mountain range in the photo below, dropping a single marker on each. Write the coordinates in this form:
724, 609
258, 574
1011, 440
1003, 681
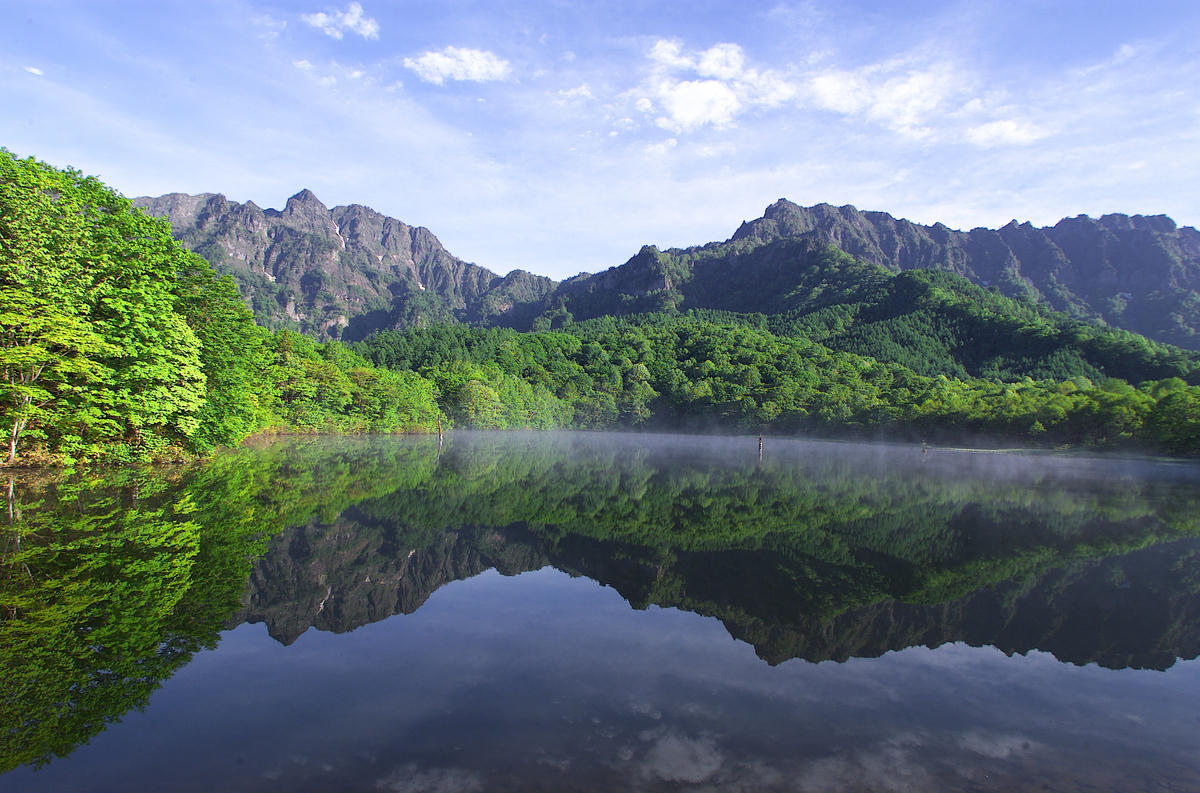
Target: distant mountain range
349, 271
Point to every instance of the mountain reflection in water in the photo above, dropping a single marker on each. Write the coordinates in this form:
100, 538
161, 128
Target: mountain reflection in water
815, 552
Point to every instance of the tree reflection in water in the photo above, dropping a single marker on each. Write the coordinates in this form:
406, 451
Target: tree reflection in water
817, 551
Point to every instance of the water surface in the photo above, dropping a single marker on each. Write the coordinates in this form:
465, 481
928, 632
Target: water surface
599, 612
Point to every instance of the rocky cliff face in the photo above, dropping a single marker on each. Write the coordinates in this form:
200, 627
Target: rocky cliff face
347, 271
1135, 272
342, 272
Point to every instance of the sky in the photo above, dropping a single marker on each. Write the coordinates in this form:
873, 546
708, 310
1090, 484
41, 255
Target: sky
560, 137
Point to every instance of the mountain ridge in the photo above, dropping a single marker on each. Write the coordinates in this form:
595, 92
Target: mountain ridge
348, 271
329, 270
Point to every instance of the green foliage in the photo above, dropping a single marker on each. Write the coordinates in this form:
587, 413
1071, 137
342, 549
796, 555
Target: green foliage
233, 355
46, 354
683, 371
938, 323
116, 344
1174, 420
88, 286
329, 388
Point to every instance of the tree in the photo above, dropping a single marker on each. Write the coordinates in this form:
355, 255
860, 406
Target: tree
42, 352
233, 355
97, 359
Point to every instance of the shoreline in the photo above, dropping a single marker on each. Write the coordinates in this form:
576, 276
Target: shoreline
266, 437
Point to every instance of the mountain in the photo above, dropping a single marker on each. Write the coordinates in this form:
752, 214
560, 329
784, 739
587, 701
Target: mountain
1135, 272
348, 271
341, 272
1138, 273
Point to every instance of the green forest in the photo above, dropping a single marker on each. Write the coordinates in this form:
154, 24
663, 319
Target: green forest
118, 345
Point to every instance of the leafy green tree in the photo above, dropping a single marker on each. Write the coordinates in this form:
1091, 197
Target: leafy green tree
109, 272
1174, 421
233, 354
44, 353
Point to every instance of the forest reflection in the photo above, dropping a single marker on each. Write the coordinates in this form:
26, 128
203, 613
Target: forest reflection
814, 551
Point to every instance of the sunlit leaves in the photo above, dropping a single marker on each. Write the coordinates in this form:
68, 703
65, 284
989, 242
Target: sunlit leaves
88, 317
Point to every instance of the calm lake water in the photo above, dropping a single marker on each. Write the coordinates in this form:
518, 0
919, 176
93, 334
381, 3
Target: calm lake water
595, 612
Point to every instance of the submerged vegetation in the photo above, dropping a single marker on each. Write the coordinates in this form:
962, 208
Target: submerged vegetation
118, 345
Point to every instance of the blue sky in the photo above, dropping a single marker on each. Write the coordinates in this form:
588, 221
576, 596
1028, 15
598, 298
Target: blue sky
559, 137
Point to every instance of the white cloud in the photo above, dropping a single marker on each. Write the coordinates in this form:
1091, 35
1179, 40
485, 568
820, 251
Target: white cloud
896, 94
271, 29
1003, 132
338, 22
302, 64
457, 63
692, 104
667, 53
723, 61
662, 148
1124, 53
582, 92
34, 70
728, 90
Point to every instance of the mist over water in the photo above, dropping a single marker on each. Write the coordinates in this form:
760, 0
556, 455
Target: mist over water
590, 611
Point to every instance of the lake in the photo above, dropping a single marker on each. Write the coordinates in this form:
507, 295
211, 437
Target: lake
603, 612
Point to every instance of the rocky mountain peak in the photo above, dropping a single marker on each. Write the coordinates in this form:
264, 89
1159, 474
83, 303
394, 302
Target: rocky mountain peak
782, 206
305, 212
343, 272
305, 197
1155, 223
347, 271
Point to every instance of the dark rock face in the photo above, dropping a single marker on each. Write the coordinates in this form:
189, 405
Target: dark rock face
341, 272
348, 271
1139, 273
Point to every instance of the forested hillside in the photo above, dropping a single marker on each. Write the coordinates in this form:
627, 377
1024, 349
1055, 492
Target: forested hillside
118, 344
694, 374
